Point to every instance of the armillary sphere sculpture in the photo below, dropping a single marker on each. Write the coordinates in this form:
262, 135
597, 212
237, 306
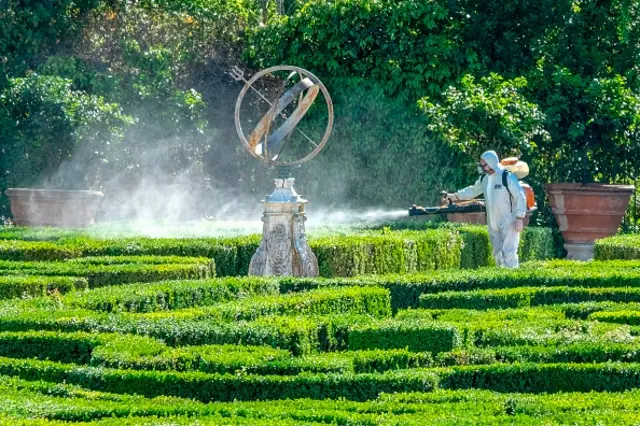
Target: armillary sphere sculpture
283, 96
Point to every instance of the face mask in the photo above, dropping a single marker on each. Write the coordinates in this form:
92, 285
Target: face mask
480, 169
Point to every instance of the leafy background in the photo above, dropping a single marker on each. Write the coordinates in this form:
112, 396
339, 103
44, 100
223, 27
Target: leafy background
132, 97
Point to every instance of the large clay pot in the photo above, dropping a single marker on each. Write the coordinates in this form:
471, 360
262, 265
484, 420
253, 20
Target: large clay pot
476, 218
53, 207
587, 212
471, 218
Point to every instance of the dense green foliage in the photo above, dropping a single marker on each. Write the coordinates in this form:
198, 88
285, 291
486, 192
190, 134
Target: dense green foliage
557, 82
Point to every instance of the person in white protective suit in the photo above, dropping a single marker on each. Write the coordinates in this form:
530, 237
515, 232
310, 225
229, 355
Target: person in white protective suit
506, 207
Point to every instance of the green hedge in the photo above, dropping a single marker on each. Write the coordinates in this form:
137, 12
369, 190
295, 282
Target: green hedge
544, 332
299, 334
618, 247
23, 398
231, 255
370, 252
144, 353
536, 378
186, 420
522, 315
15, 286
577, 352
105, 275
406, 289
356, 255
476, 250
536, 244
225, 387
409, 409
372, 301
172, 294
580, 352
54, 346
212, 387
526, 296
618, 317
36, 251
371, 361
119, 353
416, 336
145, 260
514, 327
585, 309
481, 299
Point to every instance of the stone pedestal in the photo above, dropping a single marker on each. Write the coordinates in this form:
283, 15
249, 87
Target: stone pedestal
580, 251
283, 250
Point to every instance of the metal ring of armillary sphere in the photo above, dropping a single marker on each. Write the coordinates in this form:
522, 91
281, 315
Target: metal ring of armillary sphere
265, 144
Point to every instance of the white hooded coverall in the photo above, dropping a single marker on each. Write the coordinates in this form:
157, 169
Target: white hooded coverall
502, 209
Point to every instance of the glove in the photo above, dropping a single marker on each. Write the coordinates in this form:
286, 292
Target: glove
452, 196
519, 225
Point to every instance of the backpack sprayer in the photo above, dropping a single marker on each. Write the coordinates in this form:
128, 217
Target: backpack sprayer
512, 164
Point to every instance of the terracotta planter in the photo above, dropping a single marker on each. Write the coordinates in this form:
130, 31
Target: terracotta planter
476, 218
472, 218
53, 207
587, 212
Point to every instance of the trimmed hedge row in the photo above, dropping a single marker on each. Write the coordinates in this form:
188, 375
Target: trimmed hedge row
36, 251
618, 247
522, 315
415, 330
531, 378
224, 387
186, 420
515, 333
348, 255
397, 252
55, 346
146, 260
416, 336
617, 317
25, 398
373, 301
106, 275
16, 286
585, 309
579, 352
172, 294
538, 378
231, 255
513, 327
523, 297
144, 353
407, 289
298, 334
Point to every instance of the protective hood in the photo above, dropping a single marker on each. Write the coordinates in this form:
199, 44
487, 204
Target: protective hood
492, 160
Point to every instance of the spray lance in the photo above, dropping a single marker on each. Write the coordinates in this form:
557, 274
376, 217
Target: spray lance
448, 206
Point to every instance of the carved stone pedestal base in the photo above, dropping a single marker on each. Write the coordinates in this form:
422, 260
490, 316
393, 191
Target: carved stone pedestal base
283, 250
580, 251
